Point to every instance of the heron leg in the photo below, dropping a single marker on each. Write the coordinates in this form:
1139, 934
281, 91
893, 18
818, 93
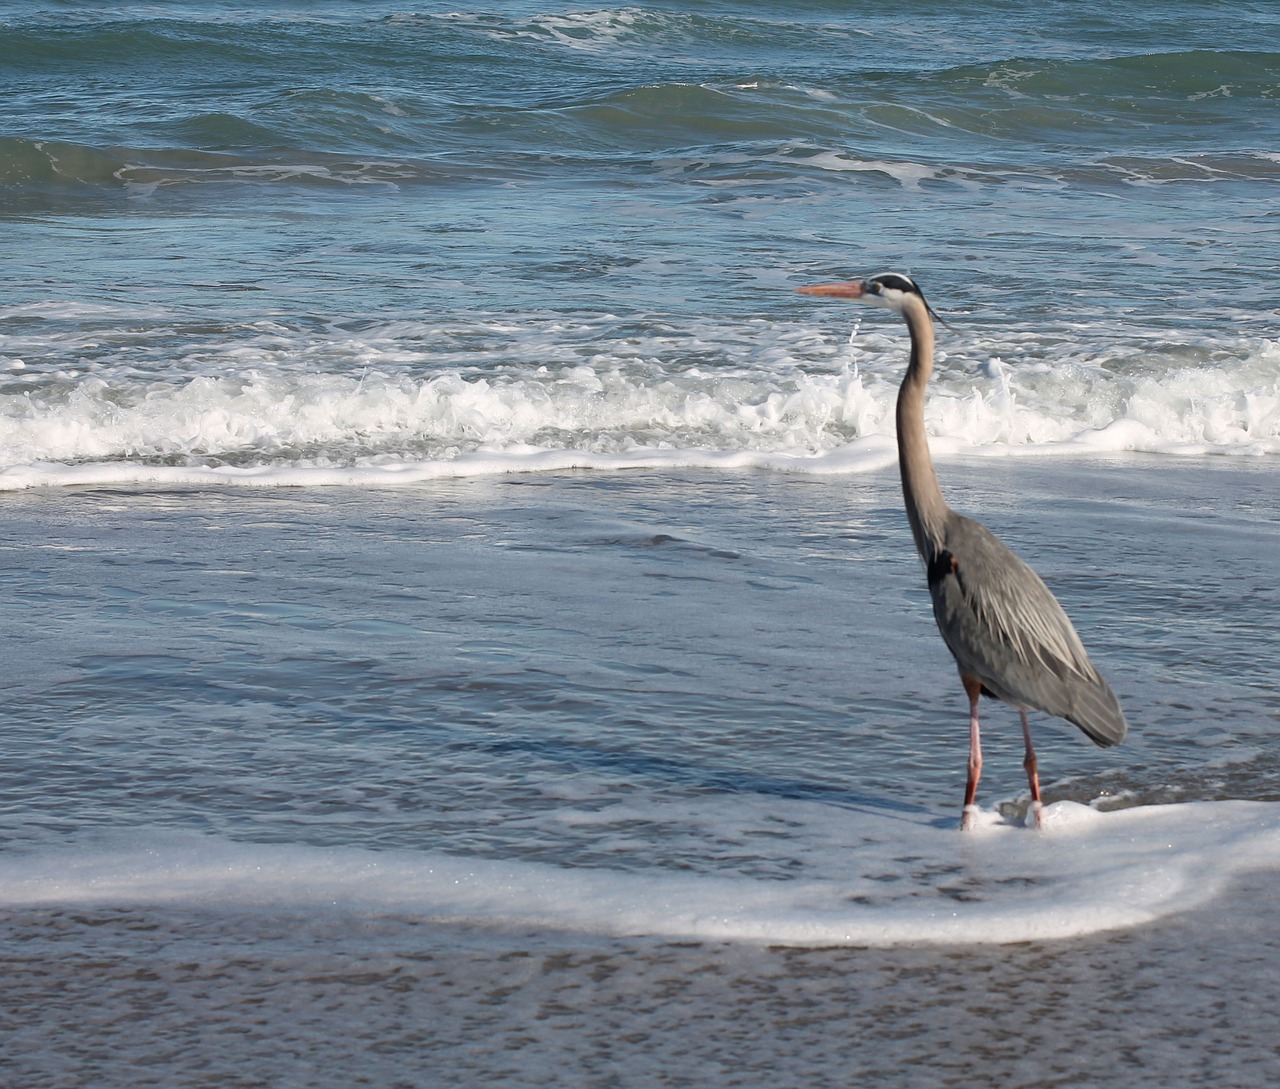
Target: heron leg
973, 689
1033, 774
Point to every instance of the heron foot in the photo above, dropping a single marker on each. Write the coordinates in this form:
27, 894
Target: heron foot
1034, 817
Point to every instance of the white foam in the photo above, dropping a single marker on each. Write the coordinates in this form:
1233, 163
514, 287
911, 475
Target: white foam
589, 30
894, 881
907, 174
271, 406
863, 456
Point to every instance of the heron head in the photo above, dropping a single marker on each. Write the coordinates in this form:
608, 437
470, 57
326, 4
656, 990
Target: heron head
888, 290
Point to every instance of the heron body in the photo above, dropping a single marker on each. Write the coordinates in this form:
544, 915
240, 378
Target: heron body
1010, 638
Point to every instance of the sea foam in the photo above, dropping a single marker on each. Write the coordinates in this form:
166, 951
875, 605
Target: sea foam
896, 880
266, 405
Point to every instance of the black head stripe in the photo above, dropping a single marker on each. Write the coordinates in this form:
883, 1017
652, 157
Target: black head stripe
897, 282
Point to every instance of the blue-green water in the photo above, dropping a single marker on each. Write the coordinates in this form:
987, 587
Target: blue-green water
321, 235
459, 619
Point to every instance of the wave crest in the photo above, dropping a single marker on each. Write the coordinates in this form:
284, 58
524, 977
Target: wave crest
704, 396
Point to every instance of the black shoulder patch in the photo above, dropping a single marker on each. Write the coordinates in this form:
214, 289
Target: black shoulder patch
942, 565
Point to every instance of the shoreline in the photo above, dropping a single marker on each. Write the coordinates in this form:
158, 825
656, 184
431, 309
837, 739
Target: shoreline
163, 995
868, 456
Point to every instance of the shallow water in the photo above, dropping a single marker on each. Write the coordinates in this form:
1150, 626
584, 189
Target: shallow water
461, 665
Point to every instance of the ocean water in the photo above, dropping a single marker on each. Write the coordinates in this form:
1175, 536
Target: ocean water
460, 625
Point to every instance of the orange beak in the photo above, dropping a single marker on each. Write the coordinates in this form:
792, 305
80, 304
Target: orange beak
854, 289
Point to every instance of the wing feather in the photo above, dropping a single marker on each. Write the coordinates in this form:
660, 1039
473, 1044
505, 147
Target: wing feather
1005, 627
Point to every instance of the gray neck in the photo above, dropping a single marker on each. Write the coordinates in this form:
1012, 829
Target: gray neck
926, 509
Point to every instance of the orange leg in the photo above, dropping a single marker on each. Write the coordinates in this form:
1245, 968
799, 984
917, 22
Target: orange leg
1033, 775
973, 689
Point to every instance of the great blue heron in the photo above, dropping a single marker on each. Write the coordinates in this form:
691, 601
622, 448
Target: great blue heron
1008, 634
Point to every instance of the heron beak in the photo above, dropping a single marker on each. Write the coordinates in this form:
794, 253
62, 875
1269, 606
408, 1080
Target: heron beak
854, 289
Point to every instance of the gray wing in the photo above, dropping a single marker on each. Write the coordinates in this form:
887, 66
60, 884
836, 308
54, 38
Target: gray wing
1005, 628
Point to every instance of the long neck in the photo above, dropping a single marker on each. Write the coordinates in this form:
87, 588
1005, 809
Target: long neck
926, 509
